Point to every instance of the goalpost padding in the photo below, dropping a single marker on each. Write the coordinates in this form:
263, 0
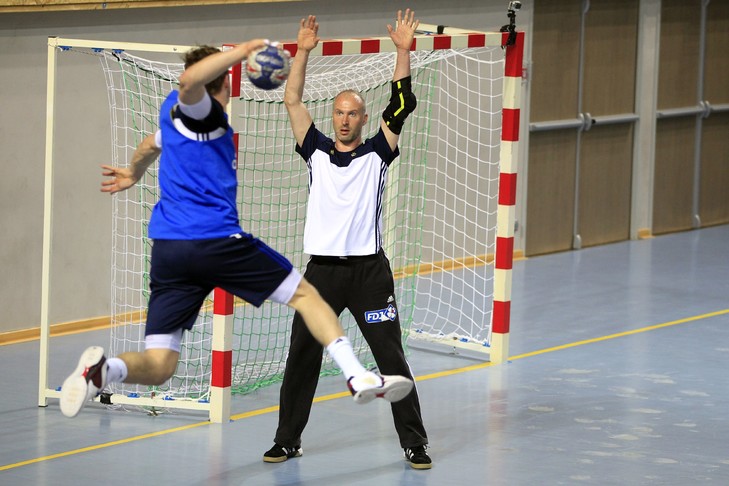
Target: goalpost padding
220, 363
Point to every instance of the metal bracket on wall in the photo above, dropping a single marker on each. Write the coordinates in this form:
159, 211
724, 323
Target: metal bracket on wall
588, 122
705, 109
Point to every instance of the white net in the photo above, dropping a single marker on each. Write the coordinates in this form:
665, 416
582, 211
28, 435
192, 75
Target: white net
440, 207
455, 280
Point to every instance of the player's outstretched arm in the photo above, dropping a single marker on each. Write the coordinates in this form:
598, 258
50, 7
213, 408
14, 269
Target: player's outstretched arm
402, 36
402, 102
194, 78
299, 116
122, 178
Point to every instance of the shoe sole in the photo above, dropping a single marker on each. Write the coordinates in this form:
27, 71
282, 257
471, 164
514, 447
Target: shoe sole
275, 459
282, 458
395, 389
75, 389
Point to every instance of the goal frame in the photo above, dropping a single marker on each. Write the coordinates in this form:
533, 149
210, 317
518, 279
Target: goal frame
428, 37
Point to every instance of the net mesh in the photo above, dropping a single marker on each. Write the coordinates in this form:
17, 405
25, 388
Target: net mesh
439, 212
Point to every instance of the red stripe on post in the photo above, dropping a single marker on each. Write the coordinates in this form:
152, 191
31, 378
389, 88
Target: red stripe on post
222, 302
236, 142
510, 124
442, 41
235, 78
332, 48
222, 369
504, 253
476, 40
507, 189
514, 55
502, 316
370, 46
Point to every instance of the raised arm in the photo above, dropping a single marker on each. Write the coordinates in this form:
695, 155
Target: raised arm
195, 77
402, 102
299, 116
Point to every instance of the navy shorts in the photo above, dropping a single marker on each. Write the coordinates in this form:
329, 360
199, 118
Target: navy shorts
184, 272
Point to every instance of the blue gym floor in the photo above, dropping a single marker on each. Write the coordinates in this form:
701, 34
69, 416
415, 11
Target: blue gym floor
619, 375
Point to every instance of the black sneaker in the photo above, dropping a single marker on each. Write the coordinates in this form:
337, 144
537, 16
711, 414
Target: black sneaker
418, 458
280, 454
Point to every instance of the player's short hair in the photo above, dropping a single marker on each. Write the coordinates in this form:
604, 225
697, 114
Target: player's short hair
197, 54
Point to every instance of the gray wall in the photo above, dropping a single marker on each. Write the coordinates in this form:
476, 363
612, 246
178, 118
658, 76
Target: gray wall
80, 286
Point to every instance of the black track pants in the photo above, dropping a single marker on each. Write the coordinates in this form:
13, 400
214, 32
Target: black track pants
365, 286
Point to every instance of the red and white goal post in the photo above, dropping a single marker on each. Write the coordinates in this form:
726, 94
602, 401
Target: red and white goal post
449, 216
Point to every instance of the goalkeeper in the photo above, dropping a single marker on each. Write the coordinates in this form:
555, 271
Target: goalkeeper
344, 238
199, 244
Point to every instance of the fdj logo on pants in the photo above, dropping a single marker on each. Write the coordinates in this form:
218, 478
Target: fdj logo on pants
381, 315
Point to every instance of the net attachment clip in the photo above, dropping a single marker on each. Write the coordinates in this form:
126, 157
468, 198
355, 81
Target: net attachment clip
105, 398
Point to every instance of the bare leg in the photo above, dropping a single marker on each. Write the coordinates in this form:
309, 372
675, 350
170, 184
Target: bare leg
318, 316
151, 367
324, 325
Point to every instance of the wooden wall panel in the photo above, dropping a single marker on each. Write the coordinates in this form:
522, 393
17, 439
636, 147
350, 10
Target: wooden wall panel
606, 161
678, 71
716, 81
714, 195
555, 54
673, 182
714, 186
609, 70
606, 155
551, 189
611, 39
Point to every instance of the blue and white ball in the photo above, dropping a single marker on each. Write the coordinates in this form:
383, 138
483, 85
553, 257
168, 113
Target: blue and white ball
268, 67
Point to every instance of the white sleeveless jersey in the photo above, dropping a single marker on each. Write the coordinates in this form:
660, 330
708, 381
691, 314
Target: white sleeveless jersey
344, 212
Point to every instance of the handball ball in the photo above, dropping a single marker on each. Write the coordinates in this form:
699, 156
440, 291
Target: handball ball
268, 67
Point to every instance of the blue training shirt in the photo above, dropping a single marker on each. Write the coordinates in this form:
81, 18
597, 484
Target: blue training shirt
197, 176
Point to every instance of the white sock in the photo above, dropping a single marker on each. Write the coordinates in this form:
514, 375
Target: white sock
116, 371
341, 352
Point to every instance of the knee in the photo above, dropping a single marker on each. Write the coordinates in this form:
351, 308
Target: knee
162, 366
160, 375
306, 289
305, 295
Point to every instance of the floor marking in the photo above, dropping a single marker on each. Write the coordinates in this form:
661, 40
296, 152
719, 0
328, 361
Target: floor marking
103, 446
622, 334
440, 374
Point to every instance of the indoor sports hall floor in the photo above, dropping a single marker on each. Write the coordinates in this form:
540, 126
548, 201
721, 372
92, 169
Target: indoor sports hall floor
619, 376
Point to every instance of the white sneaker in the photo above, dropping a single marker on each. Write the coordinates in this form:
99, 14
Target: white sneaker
86, 381
369, 386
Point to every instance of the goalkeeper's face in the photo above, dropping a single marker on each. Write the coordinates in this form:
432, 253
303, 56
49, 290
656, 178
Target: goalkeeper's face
348, 118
